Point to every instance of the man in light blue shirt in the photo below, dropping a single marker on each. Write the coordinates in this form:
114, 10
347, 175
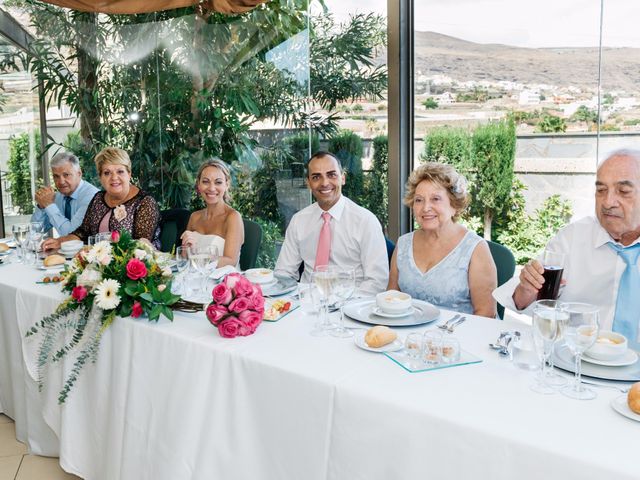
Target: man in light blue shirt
64, 210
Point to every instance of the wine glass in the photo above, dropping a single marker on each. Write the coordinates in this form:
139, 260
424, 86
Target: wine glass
20, 232
545, 331
182, 262
344, 289
204, 259
580, 333
324, 278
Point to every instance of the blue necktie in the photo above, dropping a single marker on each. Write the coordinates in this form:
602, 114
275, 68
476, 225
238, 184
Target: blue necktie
628, 302
67, 207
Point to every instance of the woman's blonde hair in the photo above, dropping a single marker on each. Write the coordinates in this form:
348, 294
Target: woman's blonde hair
444, 175
224, 168
112, 156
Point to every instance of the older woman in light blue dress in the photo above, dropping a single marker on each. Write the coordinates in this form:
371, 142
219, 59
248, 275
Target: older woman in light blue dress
442, 262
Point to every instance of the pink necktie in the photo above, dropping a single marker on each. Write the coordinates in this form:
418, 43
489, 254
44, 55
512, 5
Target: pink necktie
324, 242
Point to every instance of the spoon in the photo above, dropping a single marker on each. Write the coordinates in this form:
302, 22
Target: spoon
502, 350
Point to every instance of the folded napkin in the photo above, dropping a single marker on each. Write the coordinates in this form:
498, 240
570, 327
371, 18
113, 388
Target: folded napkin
218, 273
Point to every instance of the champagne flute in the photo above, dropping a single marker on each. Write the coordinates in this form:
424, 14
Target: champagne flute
545, 331
580, 333
324, 278
552, 378
344, 289
309, 301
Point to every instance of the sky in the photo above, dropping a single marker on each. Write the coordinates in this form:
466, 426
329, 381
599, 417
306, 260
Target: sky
543, 23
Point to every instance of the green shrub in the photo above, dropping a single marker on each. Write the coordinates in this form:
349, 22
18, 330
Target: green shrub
448, 145
271, 238
298, 146
347, 146
19, 171
376, 186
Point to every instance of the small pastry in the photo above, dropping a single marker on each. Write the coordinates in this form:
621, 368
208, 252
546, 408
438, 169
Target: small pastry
4, 247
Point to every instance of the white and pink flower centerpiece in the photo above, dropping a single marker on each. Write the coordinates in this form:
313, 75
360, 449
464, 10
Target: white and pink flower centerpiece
117, 278
237, 308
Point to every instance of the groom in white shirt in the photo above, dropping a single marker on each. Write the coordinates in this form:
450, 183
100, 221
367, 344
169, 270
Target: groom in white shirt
334, 231
602, 253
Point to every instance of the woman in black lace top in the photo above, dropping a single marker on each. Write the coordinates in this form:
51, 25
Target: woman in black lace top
120, 205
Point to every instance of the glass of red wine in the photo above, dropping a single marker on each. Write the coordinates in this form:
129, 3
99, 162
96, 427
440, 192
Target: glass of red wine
553, 263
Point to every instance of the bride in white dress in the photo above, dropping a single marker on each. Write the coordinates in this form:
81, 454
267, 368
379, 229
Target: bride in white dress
218, 224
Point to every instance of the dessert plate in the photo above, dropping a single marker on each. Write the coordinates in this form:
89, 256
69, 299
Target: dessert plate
629, 358
362, 311
280, 286
394, 346
620, 405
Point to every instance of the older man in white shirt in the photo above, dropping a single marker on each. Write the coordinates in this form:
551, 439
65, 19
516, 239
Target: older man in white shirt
334, 231
602, 253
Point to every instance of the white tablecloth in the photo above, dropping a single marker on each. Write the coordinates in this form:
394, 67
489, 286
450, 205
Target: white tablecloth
176, 401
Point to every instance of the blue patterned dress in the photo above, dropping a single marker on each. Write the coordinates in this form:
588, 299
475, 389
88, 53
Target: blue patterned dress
446, 284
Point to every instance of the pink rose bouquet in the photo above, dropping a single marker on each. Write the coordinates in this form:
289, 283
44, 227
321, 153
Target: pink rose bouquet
237, 308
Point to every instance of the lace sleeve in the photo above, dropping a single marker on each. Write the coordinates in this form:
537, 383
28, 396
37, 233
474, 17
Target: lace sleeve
146, 219
85, 230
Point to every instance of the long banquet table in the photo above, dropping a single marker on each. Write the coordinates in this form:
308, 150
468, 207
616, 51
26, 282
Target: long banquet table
176, 401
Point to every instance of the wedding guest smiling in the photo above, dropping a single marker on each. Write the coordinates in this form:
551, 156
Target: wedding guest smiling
442, 262
120, 206
217, 224
334, 231
64, 209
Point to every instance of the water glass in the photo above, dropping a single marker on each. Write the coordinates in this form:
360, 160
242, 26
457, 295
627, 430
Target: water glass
20, 232
523, 352
580, 333
182, 262
309, 298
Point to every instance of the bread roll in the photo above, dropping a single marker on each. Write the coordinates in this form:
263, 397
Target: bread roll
53, 260
379, 336
4, 247
633, 398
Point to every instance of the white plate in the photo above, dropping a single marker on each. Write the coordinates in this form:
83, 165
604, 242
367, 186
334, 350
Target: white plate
564, 360
620, 405
629, 358
54, 268
362, 311
381, 313
390, 347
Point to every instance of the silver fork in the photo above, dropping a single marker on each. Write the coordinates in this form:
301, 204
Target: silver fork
455, 324
445, 325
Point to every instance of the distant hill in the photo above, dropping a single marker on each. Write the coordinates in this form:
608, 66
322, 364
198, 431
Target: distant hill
463, 60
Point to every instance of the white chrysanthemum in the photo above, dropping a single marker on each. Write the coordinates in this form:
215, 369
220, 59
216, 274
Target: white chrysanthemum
89, 278
107, 294
166, 272
140, 254
75, 266
98, 252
